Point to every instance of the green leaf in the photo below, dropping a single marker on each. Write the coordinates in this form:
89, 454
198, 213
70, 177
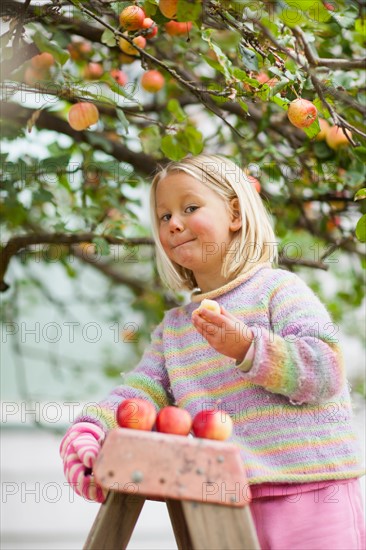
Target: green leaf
291, 13
102, 246
128, 91
360, 26
249, 58
45, 45
315, 10
117, 7
280, 101
361, 229
361, 194
42, 195
240, 74
150, 139
346, 19
122, 118
108, 38
176, 110
189, 10
98, 139
55, 164
313, 130
71, 272
243, 105
224, 62
150, 8
192, 138
171, 148
360, 153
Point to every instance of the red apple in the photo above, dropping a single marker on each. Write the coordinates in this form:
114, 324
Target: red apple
263, 78
173, 420
168, 8
302, 113
79, 50
44, 60
336, 137
127, 48
93, 71
152, 81
119, 76
324, 129
333, 223
329, 6
150, 24
173, 28
131, 18
137, 414
82, 115
212, 424
33, 76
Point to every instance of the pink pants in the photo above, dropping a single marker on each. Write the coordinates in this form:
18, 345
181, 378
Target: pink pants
330, 518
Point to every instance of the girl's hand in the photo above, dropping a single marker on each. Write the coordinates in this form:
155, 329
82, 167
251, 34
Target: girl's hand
79, 449
224, 332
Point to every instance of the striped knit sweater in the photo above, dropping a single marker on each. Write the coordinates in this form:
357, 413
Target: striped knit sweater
291, 411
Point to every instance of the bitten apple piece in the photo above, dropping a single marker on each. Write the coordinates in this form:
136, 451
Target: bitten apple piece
211, 305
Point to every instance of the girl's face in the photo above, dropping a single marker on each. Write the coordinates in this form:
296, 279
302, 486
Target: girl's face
195, 227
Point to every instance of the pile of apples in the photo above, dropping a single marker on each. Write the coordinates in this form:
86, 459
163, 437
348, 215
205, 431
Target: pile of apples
139, 414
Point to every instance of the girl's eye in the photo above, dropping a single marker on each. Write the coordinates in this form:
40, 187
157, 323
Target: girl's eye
190, 209
165, 218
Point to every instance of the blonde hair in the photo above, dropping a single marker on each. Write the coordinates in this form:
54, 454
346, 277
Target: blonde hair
254, 242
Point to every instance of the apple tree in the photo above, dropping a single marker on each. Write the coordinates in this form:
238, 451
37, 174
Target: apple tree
97, 94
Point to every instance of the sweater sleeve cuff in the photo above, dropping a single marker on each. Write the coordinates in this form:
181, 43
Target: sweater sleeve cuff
247, 362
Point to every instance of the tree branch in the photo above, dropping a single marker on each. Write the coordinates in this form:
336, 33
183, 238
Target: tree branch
283, 260
340, 64
21, 242
105, 268
143, 163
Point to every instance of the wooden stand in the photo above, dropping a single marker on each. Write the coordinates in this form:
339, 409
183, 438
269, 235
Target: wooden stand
201, 481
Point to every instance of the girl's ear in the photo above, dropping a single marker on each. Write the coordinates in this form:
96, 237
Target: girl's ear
235, 215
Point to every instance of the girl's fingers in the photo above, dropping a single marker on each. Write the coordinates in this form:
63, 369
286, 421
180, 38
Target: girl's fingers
205, 315
229, 315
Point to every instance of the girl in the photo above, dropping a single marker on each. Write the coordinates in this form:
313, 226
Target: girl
269, 358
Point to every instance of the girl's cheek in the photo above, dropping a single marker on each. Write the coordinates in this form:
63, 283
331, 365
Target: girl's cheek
199, 225
163, 239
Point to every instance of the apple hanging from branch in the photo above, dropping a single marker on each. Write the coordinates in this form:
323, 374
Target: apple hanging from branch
152, 81
302, 113
337, 137
132, 18
82, 115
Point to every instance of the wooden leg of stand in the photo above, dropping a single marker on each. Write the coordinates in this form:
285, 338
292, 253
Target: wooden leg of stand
114, 524
220, 527
179, 524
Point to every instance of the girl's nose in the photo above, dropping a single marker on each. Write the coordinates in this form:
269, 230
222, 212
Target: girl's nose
175, 224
